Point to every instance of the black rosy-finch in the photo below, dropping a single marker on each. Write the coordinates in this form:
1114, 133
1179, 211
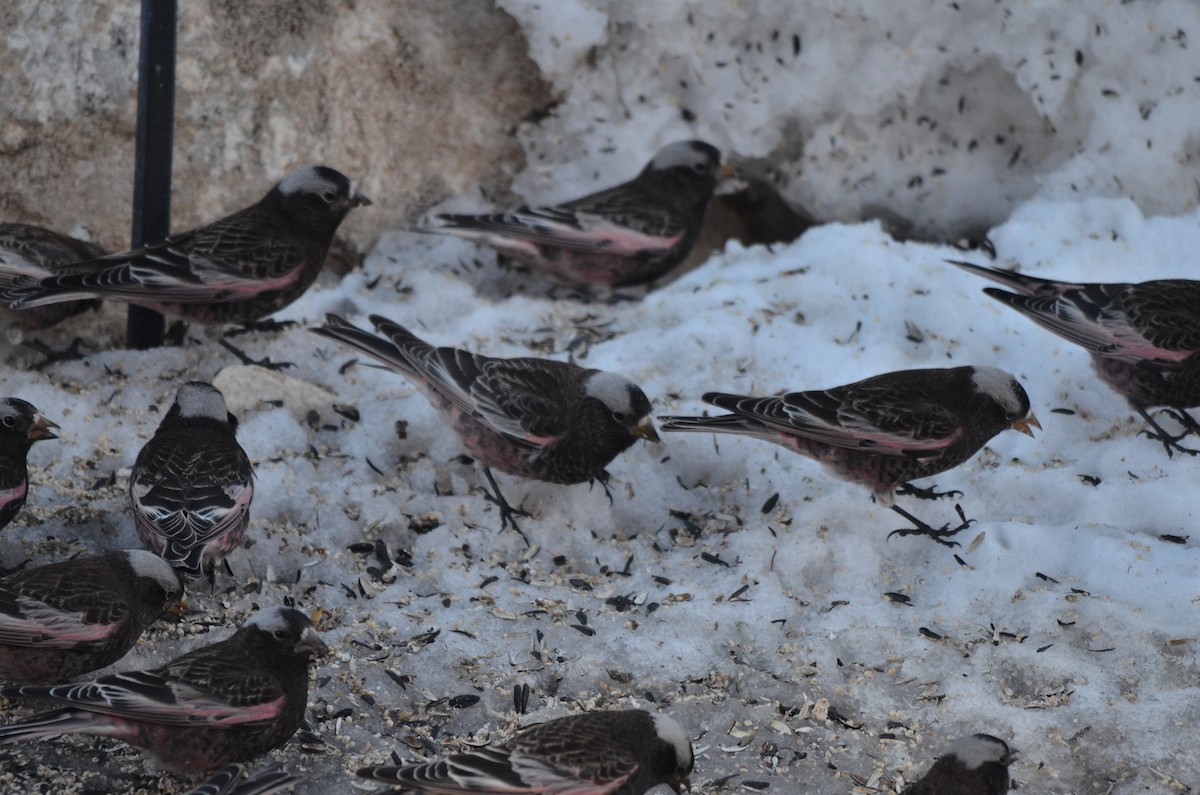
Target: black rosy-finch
626, 235
1144, 338
35, 251
228, 781
20, 426
71, 617
230, 701
973, 765
192, 483
597, 753
534, 418
238, 269
883, 431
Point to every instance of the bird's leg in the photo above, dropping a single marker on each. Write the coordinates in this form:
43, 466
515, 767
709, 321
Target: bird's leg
508, 514
603, 479
265, 363
175, 334
909, 490
53, 356
922, 529
1189, 424
260, 326
1171, 443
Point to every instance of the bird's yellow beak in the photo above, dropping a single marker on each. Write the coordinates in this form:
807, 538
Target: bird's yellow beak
42, 428
645, 430
1026, 424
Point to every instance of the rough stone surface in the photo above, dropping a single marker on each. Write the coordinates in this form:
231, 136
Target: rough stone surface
414, 100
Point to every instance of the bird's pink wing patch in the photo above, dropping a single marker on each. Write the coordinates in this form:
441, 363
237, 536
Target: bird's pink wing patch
48, 628
619, 239
585, 233
857, 432
215, 280
17, 492
1121, 340
1108, 334
143, 696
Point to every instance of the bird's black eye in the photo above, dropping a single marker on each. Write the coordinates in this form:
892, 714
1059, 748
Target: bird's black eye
700, 168
620, 416
328, 197
10, 421
280, 634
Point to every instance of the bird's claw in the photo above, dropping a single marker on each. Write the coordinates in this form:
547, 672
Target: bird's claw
931, 493
259, 326
1170, 442
603, 479
939, 535
265, 362
508, 514
52, 356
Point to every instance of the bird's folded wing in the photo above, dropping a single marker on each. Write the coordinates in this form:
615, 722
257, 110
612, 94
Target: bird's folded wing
910, 428
31, 622
148, 696
511, 397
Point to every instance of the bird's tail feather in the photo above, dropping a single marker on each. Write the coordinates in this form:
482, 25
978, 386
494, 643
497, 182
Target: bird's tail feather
1025, 285
18, 275
728, 423
48, 724
390, 351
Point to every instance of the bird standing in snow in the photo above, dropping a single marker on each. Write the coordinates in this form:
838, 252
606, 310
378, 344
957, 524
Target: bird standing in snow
35, 251
626, 235
20, 426
75, 616
883, 431
1144, 338
534, 418
596, 753
227, 702
192, 483
235, 270
974, 765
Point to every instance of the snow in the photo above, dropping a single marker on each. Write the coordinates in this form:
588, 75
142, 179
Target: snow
762, 624
948, 114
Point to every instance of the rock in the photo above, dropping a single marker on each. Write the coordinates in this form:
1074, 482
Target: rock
414, 100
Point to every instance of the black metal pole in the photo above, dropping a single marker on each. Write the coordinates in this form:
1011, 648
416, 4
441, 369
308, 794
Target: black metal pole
152, 169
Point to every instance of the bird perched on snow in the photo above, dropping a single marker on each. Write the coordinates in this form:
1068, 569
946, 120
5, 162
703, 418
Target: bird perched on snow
227, 702
1144, 338
192, 483
534, 418
627, 235
238, 269
20, 426
228, 781
75, 616
974, 765
596, 753
885, 430
35, 251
